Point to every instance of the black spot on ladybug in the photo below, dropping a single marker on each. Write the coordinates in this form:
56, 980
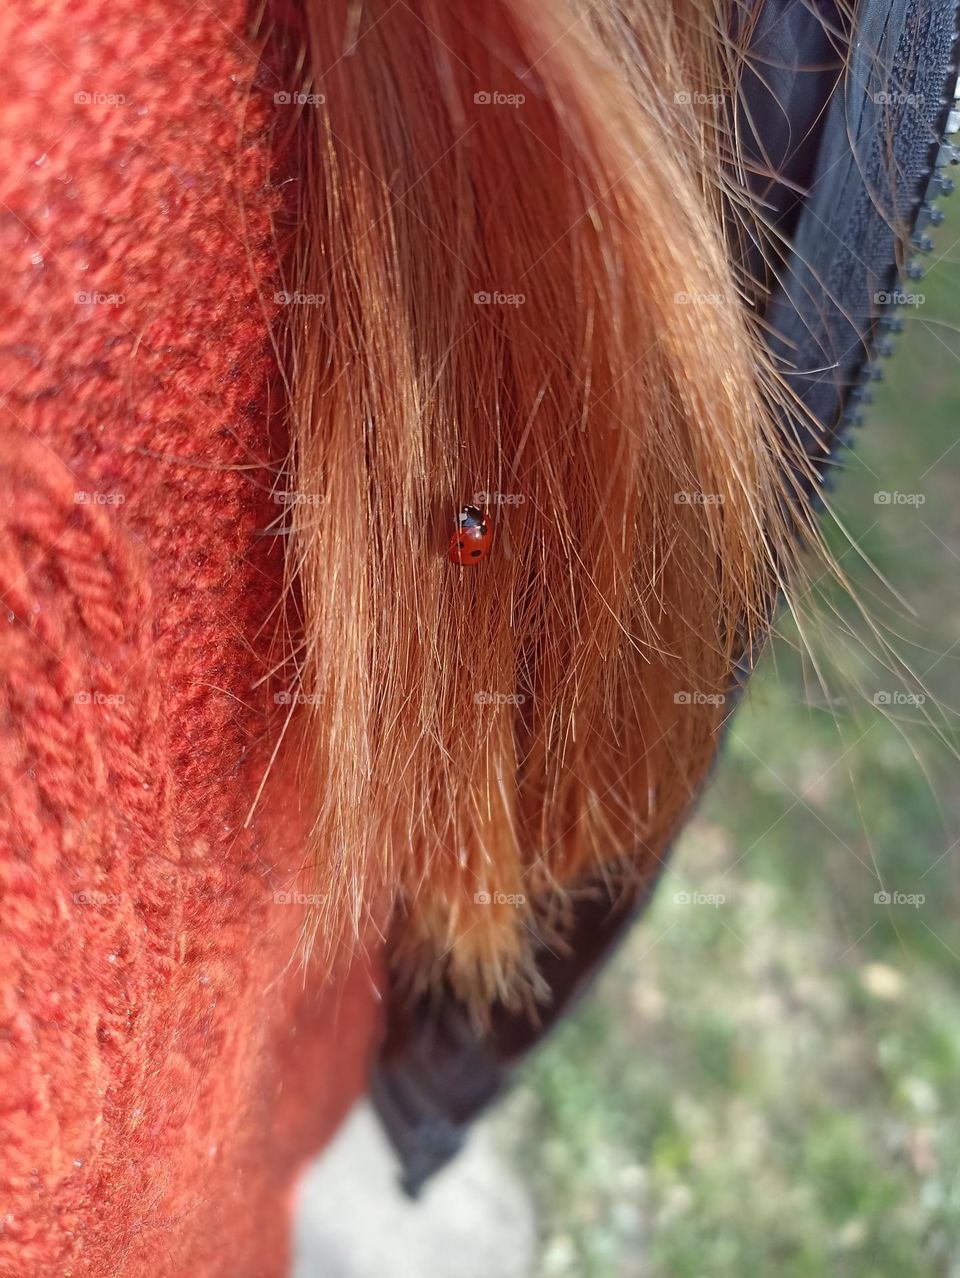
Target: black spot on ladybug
461, 543
475, 554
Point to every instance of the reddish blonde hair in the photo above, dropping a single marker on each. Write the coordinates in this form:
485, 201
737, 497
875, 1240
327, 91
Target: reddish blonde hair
475, 741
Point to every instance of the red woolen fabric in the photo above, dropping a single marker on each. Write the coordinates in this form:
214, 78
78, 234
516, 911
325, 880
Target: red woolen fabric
165, 1062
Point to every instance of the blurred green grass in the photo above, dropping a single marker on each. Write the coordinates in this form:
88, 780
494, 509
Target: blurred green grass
771, 1085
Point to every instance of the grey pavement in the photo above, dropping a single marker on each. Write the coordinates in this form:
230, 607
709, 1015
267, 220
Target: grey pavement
475, 1220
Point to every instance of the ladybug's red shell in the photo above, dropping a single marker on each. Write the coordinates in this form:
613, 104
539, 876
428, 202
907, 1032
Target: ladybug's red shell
472, 539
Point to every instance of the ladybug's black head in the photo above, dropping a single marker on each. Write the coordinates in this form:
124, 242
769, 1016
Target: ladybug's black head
471, 518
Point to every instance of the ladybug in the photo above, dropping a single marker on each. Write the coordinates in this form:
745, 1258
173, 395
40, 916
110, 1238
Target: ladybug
472, 539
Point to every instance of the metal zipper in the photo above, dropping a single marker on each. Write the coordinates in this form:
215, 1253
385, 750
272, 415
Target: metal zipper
929, 215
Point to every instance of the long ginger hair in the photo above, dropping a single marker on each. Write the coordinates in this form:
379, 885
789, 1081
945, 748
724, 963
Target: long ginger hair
513, 285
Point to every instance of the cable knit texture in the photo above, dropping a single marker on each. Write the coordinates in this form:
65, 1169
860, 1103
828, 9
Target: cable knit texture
165, 1064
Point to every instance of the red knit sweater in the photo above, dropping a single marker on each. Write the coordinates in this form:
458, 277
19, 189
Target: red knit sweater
165, 1063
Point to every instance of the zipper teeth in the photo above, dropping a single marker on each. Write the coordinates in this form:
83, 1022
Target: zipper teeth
929, 215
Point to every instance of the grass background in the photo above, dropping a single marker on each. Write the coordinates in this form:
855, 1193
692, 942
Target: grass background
771, 1085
